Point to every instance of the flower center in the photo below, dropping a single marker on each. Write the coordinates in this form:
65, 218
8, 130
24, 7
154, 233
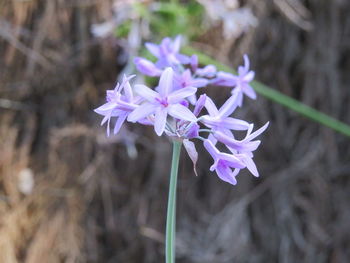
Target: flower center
163, 102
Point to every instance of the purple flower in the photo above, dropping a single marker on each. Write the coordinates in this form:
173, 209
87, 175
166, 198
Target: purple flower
185, 80
243, 148
120, 102
208, 71
168, 52
192, 131
194, 62
163, 102
147, 67
192, 153
219, 120
245, 145
199, 104
172, 107
223, 163
240, 82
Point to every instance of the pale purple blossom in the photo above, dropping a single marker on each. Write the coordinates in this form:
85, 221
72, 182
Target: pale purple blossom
219, 119
186, 80
246, 144
147, 67
173, 109
120, 102
208, 71
192, 153
200, 104
240, 83
194, 62
224, 163
243, 149
164, 102
167, 52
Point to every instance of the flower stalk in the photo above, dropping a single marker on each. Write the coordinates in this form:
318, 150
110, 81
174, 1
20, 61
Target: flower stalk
171, 213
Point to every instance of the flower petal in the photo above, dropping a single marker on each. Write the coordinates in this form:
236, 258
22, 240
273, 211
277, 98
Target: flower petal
210, 147
229, 106
225, 173
146, 92
249, 76
141, 112
106, 118
153, 48
105, 108
231, 160
181, 112
146, 67
162, 63
249, 91
246, 62
208, 71
257, 132
176, 44
225, 79
234, 124
199, 82
192, 153
211, 108
238, 92
166, 82
183, 59
119, 123
180, 94
194, 62
165, 47
108, 126
160, 120
199, 104
192, 99
127, 89
244, 145
251, 166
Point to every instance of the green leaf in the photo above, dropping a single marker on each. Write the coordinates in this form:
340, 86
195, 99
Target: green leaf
123, 29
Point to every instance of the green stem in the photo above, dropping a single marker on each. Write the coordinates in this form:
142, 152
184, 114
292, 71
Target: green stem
280, 98
171, 213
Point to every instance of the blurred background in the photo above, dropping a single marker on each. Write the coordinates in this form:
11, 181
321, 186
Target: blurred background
70, 194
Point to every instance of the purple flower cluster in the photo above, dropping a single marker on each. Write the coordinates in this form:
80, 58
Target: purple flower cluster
173, 107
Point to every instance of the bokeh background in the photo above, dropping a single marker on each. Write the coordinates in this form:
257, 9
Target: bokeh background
70, 194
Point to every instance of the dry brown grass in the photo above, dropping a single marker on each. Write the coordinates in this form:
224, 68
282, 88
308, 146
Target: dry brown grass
92, 203
45, 225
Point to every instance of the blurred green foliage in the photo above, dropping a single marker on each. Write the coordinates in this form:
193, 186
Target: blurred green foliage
123, 29
167, 19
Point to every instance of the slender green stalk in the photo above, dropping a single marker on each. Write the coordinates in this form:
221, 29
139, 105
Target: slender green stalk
171, 213
280, 98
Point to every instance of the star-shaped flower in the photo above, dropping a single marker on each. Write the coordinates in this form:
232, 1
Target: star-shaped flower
224, 163
120, 102
219, 119
243, 149
168, 52
186, 80
245, 145
240, 82
147, 67
164, 102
